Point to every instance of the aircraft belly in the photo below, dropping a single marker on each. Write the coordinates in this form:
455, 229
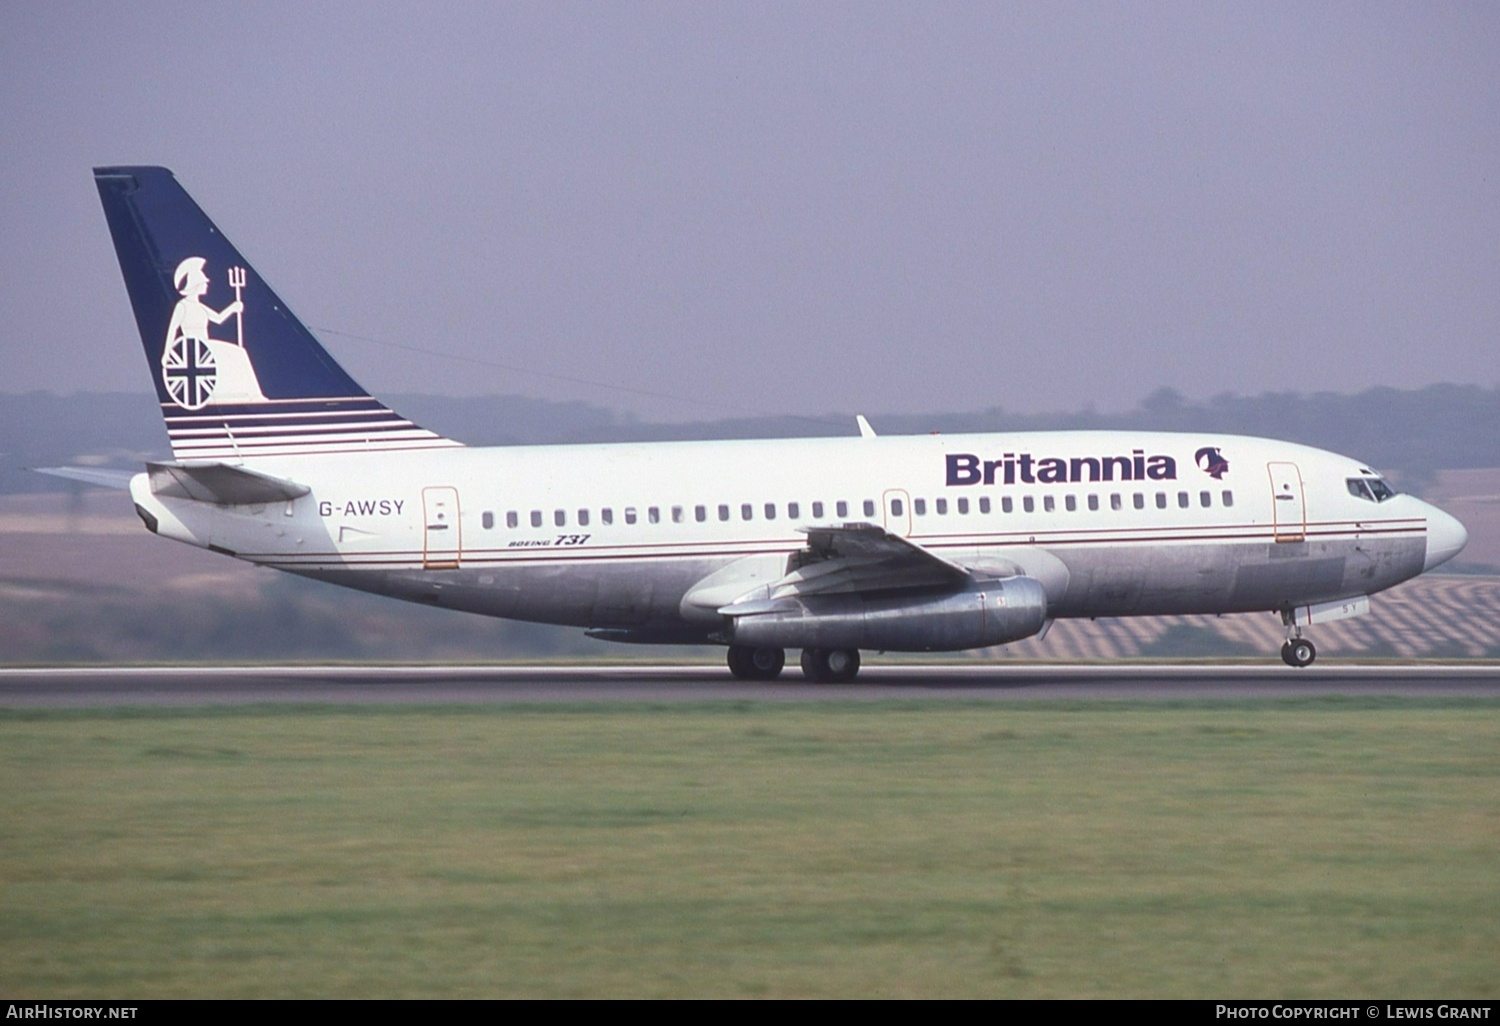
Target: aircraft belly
1281, 581
1181, 579
1112, 582
1100, 581
578, 595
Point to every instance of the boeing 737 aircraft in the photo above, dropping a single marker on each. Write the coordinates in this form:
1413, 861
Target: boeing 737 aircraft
827, 545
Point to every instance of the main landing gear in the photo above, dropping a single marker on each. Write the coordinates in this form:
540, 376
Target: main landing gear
747, 662
822, 665
1298, 651
830, 665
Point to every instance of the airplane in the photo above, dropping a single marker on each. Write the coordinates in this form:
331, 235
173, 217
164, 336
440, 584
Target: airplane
826, 545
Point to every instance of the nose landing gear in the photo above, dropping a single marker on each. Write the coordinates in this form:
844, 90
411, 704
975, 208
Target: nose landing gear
1298, 651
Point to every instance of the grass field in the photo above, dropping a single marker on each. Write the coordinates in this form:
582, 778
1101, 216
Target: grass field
1298, 848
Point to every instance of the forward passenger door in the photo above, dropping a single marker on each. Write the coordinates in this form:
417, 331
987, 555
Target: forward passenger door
1288, 504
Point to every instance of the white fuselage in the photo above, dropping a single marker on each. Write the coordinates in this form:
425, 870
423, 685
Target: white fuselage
618, 536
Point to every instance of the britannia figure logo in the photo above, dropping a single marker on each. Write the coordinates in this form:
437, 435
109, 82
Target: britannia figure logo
1211, 462
199, 370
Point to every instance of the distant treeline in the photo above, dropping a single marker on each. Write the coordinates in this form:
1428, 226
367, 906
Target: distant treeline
1410, 433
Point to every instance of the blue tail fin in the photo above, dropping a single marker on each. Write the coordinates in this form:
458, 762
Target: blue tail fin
237, 374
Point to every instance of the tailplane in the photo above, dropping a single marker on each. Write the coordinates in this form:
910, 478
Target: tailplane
237, 374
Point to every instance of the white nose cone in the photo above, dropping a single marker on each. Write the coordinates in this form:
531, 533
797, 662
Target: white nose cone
1446, 538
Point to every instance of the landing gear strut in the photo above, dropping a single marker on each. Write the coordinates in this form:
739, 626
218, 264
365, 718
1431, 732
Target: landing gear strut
747, 662
830, 665
1298, 652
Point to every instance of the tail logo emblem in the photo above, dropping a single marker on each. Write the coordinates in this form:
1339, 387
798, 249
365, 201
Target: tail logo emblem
198, 370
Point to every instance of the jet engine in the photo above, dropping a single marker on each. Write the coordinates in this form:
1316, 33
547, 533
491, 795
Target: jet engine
986, 613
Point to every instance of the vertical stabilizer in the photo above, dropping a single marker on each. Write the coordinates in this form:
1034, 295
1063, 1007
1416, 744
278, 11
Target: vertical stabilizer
237, 374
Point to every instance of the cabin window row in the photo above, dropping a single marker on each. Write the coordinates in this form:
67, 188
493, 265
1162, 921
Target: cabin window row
1028, 503
725, 512
676, 514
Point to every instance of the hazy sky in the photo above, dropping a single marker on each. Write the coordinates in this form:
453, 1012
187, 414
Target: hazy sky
783, 208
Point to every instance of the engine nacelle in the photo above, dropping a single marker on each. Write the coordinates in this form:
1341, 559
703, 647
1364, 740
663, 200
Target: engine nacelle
988, 613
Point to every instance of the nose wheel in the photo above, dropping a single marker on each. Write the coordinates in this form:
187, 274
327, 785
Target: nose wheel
1298, 652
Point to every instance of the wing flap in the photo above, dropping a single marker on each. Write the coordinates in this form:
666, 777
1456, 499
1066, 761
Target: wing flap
852, 559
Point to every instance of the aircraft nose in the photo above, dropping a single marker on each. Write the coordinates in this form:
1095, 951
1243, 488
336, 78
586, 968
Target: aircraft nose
1446, 537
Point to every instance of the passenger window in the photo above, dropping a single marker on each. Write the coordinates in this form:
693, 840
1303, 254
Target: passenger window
512, 519
942, 507
536, 518
1028, 504
607, 515
560, 518
1183, 500
746, 511
897, 509
1070, 503
1161, 500
723, 511
869, 507
630, 514
1007, 505
583, 518
817, 511
793, 511
963, 507
700, 513
1094, 503
653, 514
676, 514
1205, 499
1229, 498
919, 506
841, 508
1114, 501
1140, 501
984, 504
1049, 503
487, 519
770, 511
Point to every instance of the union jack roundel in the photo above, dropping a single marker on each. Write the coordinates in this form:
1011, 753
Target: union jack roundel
189, 372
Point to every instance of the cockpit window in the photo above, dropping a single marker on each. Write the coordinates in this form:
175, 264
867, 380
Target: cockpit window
1371, 489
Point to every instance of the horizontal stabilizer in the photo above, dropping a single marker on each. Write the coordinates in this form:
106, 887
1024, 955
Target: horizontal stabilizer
119, 479
221, 484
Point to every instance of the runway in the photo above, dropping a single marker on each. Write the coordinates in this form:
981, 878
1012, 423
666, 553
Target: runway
437, 685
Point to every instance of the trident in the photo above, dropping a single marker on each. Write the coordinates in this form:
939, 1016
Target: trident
237, 282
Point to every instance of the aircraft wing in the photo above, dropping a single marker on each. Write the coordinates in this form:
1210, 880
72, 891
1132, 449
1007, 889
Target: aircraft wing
858, 558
